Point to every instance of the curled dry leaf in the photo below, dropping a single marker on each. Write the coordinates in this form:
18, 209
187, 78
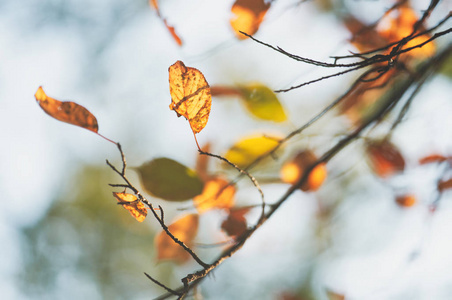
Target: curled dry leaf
385, 158
246, 150
170, 180
68, 112
406, 200
217, 194
190, 94
173, 33
248, 16
154, 4
292, 171
135, 207
235, 224
184, 229
433, 158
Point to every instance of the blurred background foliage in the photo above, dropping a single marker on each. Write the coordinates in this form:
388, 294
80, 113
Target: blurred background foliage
346, 237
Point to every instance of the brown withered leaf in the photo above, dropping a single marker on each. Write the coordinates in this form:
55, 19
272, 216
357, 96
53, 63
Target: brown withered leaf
444, 185
385, 158
235, 224
184, 229
68, 112
190, 94
135, 207
248, 16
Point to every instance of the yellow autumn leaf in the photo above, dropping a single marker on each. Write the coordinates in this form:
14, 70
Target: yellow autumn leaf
135, 207
248, 149
190, 94
248, 16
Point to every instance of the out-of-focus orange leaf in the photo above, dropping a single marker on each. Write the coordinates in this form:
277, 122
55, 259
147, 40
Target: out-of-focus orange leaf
135, 207
292, 171
68, 112
444, 185
154, 4
406, 200
184, 229
434, 158
216, 194
173, 33
190, 94
334, 295
235, 224
248, 16
385, 158
399, 24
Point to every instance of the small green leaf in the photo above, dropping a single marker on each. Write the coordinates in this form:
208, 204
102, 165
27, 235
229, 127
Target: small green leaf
446, 68
262, 102
167, 179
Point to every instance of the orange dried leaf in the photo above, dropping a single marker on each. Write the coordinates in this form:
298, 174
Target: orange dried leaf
216, 194
68, 112
136, 208
406, 200
444, 184
399, 24
190, 94
235, 224
184, 229
434, 158
154, 4
292, 171
173, 33
385, 158
248, 16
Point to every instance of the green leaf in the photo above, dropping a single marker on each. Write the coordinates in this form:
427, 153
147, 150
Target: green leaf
167, 179
446, 68
262, 102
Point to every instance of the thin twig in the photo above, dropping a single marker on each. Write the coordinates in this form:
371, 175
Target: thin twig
162, 285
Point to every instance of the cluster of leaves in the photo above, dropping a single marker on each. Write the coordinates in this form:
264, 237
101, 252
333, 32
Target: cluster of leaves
392, 53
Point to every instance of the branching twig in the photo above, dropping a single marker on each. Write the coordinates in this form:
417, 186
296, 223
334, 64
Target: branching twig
242, 171
145, 201
192, 280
